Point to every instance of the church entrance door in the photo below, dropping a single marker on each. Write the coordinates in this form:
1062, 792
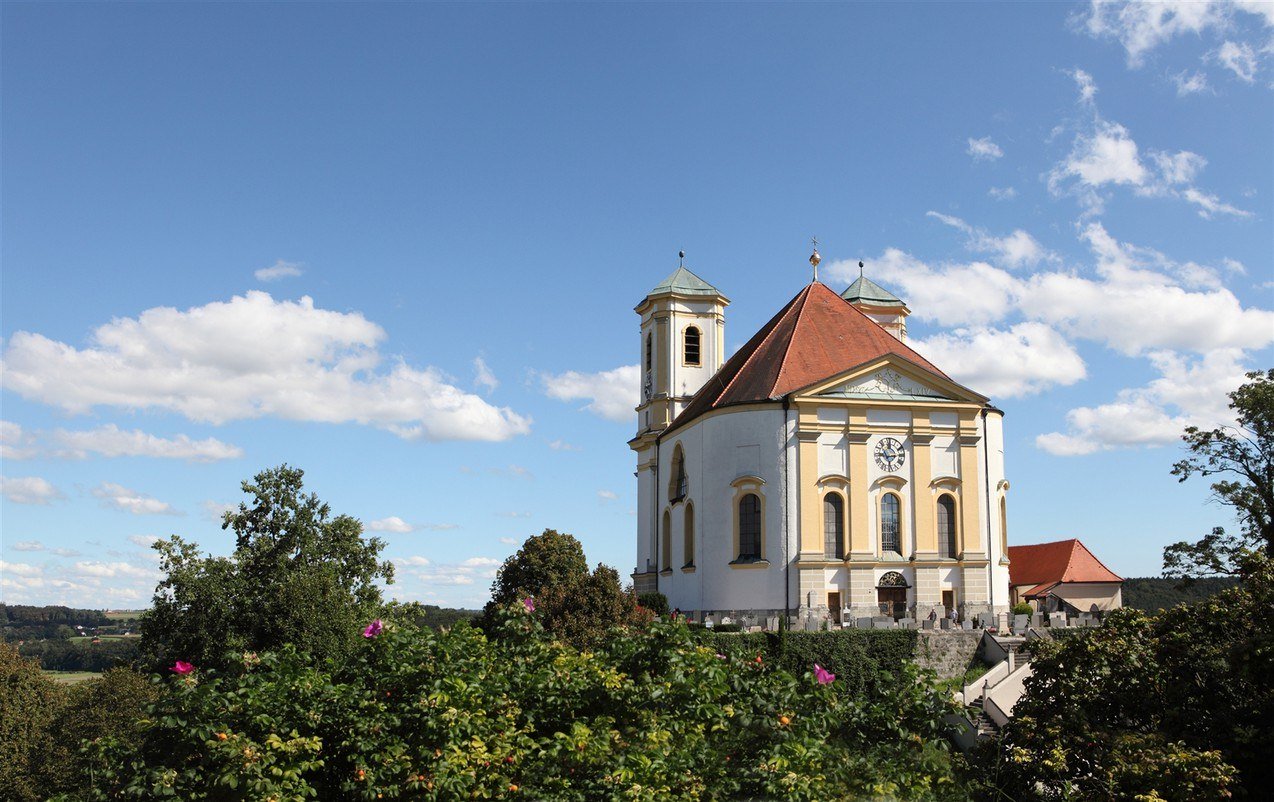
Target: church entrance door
893, 602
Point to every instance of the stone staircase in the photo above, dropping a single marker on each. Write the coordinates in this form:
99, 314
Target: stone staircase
983, 726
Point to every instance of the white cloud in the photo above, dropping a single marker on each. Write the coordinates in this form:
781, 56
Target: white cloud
562, 445
20, 569
1188, 392
1191, 84
1087, 86
27, 545
984, 149
1002, 193
607, 495
1141, 27
612, 394
949, 294
391, 524
510, 541
1107, 155
482, 562
110, 570
28, 490
121, 498
111, 441
1018, 249
1025, 359
483, 377
1239, 58
144, 541
251, 357
216, 510
514, 514
280, 269
465, 573
413, 561
15, 443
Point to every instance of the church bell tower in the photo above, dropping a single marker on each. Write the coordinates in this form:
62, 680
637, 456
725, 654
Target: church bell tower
682, 345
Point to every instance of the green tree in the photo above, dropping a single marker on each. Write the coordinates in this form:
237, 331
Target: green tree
29, 703
1242, 459
110, 707
575, 604
297, 575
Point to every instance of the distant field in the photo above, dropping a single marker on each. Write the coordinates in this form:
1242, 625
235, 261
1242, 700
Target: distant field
72, 677
123, 615
82, 638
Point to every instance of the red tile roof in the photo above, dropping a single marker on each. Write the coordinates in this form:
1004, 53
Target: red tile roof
1050, 563
816, 336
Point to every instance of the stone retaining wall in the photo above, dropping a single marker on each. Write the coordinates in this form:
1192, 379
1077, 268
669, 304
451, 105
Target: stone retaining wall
948, 654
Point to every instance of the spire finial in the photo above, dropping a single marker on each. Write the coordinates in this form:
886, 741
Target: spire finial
682, 256
815, 258
860, 268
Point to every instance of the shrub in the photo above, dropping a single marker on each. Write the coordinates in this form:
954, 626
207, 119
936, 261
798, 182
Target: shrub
654, 601
857, 656
29, 702
1022, 608
423, 714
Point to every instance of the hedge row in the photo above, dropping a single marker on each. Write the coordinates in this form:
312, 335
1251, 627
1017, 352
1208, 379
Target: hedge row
860, 658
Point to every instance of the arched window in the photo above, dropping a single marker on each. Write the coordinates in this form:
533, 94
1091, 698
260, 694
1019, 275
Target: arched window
689, 547
665, 543
1004, 527
890, 524
833, 527
750, 527
680, 485
946, 526
650, 353
691, 349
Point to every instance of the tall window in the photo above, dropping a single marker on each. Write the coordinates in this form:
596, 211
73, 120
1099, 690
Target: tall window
665, 543
946, 526
692, 346
750, 527
890, 528
690, 535
833, 526
679, 485
650, 353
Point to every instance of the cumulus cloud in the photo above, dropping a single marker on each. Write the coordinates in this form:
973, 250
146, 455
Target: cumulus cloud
464, 573
15, 443
1002, 193
121, 498
391, 524
562, 445
1006, 363
984, 149
1018, 249
483, 377
1086, 85
27, 545
1191, 84
144, 541
1188, 392
606, 495
216, 510
279, 270
1239, 58
92, 583
29, 490
612, 394
111, 441
510, 541
249, 357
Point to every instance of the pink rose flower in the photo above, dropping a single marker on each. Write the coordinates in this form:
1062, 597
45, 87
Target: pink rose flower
182, 667
823, 676
529, 604
373, 629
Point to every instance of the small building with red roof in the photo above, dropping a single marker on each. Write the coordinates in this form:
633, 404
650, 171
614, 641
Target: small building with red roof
1063, 576
826, 469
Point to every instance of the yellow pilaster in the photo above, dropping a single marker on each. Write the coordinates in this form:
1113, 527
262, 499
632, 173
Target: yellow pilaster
921, 474
970, 484
859, 527
811, 508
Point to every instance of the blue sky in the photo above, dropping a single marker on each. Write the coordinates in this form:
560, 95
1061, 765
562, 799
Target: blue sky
399, 245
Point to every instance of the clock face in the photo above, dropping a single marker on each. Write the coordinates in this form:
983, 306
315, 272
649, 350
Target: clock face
889, 454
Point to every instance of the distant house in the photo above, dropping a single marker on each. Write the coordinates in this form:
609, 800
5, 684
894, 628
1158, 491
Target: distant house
1062, 577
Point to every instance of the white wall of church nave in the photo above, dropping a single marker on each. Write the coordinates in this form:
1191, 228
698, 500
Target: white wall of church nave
719, 449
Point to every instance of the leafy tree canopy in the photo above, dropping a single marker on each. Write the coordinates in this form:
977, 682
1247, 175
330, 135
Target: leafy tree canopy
297, 575
574, 604
1241, 458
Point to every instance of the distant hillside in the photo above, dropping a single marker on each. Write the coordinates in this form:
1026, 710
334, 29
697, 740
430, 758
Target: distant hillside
1151, 593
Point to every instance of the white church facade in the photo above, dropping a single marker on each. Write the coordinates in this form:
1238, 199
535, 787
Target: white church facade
825, 470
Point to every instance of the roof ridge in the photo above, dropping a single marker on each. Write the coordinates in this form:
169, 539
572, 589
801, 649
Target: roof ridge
1094, 557
923, 362
796, 327
778, 321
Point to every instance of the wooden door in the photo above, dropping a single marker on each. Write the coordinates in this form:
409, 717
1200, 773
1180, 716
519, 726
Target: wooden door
893, 601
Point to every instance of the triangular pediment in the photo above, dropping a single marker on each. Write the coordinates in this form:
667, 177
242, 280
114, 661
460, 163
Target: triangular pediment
893, 379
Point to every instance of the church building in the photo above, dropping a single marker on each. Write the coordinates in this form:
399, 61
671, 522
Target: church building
825, 470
